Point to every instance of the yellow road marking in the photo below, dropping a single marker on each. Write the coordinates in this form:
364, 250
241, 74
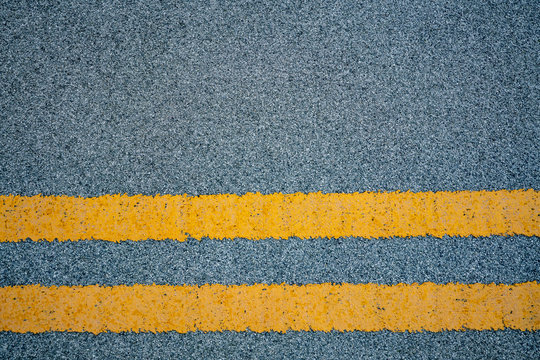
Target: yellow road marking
257, 216
320, 307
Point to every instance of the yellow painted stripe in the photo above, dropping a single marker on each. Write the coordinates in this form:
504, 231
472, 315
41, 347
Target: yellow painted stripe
320, 307
257, 216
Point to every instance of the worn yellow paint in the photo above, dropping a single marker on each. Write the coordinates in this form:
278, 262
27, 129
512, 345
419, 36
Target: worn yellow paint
258, 216
260, 308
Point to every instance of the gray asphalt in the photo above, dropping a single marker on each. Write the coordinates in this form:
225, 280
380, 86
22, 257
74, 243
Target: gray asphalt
481, 345
225, 97
232, 97
495, 259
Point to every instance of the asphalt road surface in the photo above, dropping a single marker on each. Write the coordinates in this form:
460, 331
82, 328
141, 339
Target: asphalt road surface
223, 97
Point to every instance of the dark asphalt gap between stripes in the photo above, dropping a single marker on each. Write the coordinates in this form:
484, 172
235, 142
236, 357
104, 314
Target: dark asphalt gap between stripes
494, 259
505, 344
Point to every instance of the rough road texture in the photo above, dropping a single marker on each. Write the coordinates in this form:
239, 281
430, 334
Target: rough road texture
221, 97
